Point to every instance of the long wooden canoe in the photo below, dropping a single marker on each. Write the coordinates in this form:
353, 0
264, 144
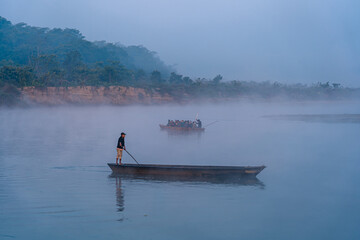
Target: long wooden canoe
181, 128
185, 170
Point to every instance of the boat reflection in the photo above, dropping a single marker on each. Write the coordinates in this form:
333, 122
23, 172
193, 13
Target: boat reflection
119, 180
239, 181
177, 133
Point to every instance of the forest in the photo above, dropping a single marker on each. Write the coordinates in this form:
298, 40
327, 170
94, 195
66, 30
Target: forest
43, 57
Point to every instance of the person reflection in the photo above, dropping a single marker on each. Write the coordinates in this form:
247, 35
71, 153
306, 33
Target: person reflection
119, 195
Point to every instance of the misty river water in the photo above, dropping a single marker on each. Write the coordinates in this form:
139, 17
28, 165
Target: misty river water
55, 182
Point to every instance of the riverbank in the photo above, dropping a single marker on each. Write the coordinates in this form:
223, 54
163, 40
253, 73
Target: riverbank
164, 94
113, 95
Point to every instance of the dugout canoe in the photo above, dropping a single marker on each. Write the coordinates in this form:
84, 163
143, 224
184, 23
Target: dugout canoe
185, 170
181, 128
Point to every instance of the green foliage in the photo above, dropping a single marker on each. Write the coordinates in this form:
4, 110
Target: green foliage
32, 56
20, 42
17, 76
72, 61
115, 74
156, 77
9, 95
175, 78
187, 80
217, 79
140, 76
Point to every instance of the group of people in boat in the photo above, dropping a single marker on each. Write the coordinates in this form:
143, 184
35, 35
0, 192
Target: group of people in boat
185, 123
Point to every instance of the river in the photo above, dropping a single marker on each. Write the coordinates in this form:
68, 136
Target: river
55, 182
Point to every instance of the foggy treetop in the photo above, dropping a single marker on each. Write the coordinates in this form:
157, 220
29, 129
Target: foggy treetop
20, 43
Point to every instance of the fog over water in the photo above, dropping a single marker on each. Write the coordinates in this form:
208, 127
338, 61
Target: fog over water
54, 179
55, 184
295, 41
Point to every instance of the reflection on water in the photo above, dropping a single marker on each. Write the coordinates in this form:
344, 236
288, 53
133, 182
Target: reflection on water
119, 195
243, 181
120, 201
184, 133
184, 181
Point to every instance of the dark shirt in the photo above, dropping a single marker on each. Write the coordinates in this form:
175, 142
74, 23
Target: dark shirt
121, 143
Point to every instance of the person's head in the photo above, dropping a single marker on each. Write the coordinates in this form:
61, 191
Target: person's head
123, 134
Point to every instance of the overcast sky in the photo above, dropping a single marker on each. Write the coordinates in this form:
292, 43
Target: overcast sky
278, 40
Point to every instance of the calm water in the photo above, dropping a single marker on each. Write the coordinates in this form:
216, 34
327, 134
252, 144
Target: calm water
55, 184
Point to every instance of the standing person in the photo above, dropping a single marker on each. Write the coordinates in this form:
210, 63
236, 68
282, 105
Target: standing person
199, 123
120, 147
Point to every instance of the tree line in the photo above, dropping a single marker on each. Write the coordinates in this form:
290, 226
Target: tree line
42, 57
48, 71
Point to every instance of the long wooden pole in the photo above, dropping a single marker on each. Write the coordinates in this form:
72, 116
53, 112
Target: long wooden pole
132, 156
210, 124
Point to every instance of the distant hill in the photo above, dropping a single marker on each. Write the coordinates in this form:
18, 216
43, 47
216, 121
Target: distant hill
21, 42
35, 62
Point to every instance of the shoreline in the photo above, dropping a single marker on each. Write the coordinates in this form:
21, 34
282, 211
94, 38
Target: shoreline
89, 95
128, 96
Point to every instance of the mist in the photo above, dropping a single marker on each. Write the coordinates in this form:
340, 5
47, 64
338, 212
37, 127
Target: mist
285, 41
53, 172
64, 102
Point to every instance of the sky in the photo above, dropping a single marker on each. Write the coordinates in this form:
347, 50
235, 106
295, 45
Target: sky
297, 41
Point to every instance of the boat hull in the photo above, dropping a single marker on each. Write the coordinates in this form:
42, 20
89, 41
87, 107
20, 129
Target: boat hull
186, 171
181, 128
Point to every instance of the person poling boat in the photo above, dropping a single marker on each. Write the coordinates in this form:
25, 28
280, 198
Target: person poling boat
120, 147
198, 123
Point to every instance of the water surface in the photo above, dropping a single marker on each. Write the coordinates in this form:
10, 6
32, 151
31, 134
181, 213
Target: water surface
54, 182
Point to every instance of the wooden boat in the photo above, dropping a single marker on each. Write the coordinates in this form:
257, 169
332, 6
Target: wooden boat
185, 170
181, 128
